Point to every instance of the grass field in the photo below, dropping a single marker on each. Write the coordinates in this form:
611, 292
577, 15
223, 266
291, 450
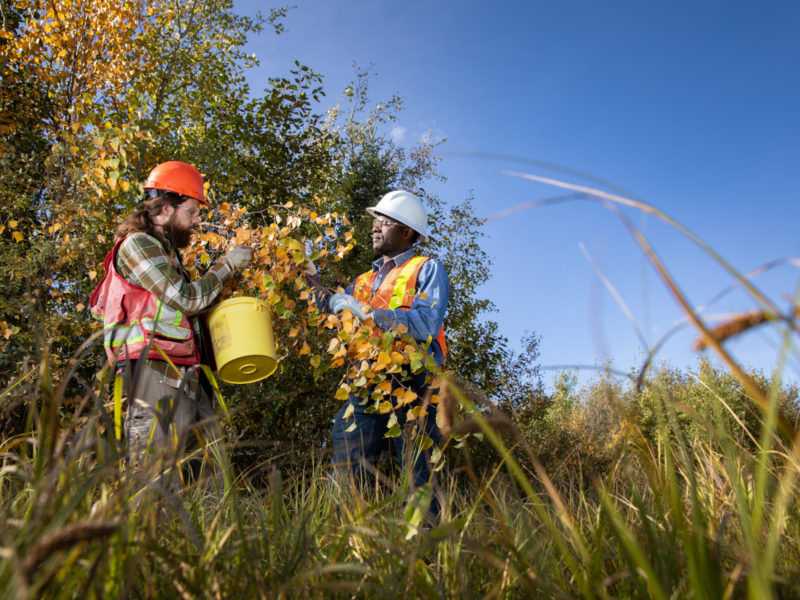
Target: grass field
695, 505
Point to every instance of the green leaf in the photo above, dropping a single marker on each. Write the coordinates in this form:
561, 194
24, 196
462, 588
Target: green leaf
425, 442
430, 364
394, 432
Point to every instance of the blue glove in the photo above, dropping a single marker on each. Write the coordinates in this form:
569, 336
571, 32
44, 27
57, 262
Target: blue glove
339, 302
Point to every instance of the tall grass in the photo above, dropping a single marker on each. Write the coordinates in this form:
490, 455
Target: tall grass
698, 499
706, 517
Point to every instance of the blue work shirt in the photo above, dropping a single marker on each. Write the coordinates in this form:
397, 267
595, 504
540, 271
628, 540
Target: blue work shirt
426, 315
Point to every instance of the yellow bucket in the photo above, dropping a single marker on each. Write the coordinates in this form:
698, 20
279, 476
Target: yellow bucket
241, 334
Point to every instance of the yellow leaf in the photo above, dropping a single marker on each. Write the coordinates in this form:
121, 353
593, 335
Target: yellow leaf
80, 307
56, 226
306, 349
408, 397
384, 386
383, 360
17, 236
343, 392
98, 141
392, 421
293, 332
417, 412
124, 185
385, 407
348, 412
92, 274
13, 224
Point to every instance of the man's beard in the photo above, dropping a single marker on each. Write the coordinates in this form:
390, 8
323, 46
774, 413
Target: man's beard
177, 237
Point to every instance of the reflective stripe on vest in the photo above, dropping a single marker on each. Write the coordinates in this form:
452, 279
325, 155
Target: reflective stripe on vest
397, 290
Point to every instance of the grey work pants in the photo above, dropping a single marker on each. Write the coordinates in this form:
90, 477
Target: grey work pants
172, 417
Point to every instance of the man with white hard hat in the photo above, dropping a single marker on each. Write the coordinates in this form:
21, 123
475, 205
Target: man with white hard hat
399, 289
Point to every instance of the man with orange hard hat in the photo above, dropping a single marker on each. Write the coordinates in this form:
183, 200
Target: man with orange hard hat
149, 307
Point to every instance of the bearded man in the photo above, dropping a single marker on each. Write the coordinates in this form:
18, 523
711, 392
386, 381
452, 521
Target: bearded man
149, 307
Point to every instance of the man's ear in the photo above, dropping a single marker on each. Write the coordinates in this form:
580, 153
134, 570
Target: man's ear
167, 210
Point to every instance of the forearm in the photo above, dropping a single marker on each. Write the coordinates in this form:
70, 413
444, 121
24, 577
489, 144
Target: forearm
192, 297
143, 262
421, 323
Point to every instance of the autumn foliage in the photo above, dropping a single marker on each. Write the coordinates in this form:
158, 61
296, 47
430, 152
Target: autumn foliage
96, 93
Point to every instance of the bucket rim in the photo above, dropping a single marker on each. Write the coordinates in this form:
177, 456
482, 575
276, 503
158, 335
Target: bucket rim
228, 302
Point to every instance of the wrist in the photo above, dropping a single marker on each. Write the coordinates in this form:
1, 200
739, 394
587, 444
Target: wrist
226, 263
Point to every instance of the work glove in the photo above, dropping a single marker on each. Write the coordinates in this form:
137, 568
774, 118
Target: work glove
240, 257
339, 302
310, 269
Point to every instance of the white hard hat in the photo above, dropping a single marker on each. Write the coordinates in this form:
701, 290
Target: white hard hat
405, 208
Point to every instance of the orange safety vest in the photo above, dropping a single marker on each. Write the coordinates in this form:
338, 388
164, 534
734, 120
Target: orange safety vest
132, 316
397, 290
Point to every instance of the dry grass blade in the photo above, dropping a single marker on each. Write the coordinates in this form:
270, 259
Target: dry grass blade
65, 537
728, 329
616, 295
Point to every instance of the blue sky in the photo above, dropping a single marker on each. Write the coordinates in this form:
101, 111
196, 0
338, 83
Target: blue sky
692, 106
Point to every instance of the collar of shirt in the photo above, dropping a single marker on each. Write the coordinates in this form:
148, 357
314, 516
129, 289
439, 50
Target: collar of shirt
398, 260
383, 267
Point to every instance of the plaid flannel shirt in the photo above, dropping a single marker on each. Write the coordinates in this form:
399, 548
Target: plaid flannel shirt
145, 261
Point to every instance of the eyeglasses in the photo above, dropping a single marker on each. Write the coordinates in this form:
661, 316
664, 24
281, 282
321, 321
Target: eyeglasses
193, 212
384, 222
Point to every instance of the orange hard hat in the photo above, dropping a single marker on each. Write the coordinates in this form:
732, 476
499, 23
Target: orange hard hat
179, 177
